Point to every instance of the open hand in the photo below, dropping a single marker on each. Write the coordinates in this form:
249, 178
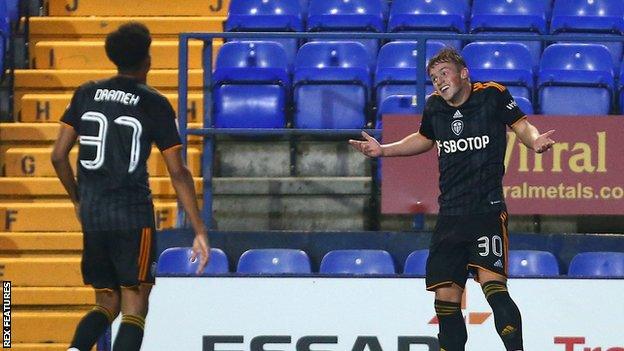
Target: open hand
369, 146
201, 250
543, 142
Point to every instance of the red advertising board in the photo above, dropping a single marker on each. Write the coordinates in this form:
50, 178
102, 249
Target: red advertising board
582, 174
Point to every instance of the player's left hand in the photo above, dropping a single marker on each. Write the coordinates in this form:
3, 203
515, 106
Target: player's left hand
201, 250
543, 142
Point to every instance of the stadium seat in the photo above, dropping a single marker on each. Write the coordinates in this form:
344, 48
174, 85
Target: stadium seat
13, 10
273, 261
397, 104
568, 71
525, 104
351, 16
590, 17
251, 76
397, 66
177, 260
267, 16
518, 16
357, 262
425, 16
332, 85
530, 263
503, 62
597, 264
5, 29
416, 262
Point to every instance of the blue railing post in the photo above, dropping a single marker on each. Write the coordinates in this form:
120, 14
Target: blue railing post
208, 140
421, 60
182, 108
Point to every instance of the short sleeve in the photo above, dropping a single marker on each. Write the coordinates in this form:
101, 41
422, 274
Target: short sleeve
71, 115
508, 110
426, 127
165, 130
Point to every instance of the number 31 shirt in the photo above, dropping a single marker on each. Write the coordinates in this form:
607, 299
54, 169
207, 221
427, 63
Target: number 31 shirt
117, 121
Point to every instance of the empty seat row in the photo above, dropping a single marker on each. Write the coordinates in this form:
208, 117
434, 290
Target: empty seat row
578, 17
331, 85
522, 263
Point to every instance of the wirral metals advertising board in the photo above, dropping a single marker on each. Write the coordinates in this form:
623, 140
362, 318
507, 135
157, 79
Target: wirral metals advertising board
582, 174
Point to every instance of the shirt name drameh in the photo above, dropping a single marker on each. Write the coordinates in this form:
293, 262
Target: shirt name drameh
119, 96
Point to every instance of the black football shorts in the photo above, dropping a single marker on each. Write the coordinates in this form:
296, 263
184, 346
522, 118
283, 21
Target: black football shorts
467, 242
119, 258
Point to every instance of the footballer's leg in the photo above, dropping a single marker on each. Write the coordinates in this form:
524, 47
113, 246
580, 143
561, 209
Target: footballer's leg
135, 262
489, 258
446, 275
98, 271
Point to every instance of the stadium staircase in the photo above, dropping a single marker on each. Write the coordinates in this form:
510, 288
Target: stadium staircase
41, 243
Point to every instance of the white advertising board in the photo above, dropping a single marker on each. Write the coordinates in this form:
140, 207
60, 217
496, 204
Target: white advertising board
371, 314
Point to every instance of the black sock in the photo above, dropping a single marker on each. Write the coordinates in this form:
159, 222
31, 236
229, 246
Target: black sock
453, 333
91, 327
506, 314
130, 335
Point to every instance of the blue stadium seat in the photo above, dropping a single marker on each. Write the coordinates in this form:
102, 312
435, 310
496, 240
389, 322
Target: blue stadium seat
532, 263
13, 10
576, 17
397, 66
274, 261
518, 16
352, 15
177, 260
568, 71
304, 5
397, 104
5, 29
429, 16
251, 76
503, 62
597, 264
525, 104
266, 16
416, 262
357, 262
332, 85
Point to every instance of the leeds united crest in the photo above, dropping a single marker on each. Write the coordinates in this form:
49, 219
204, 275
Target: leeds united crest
457, 126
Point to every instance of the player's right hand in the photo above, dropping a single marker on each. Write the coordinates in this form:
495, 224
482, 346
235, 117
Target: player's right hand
201, 250
369, 146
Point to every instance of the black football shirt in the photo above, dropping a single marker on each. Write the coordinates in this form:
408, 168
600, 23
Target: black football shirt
117, 120
471, 140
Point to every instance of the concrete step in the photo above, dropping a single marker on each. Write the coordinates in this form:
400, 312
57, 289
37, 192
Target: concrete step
51, 326
40, 241
35, 162
50, 107
40, 133
138, 8
91, 55
69, 79
61, 216
52, 296
161, 27
41, 187
58, 270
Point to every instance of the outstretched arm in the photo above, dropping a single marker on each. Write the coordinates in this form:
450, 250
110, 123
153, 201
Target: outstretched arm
531, 137
412, 144
182, 181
